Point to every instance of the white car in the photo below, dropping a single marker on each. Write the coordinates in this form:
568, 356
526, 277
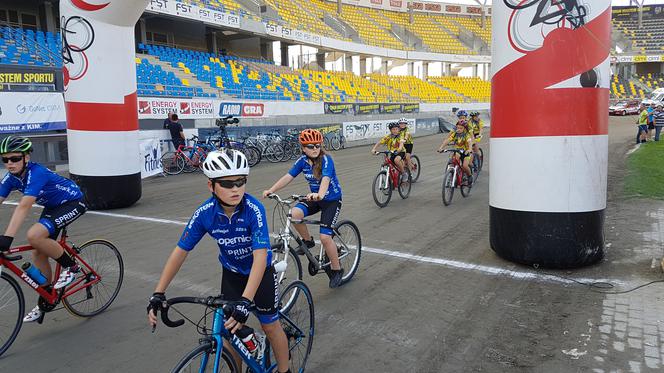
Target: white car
624, 108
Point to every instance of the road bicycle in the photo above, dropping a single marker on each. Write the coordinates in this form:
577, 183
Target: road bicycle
346, 236
93, 290
186, 158
389, 178
212, 354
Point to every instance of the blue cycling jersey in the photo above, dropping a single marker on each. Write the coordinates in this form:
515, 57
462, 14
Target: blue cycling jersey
237, 237
50, 189
333, 191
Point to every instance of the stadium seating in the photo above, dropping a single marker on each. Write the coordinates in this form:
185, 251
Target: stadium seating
415, 88
303, 18
28, 47
475, 89
648, 39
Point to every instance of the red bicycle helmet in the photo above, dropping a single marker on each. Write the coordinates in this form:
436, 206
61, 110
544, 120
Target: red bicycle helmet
311, 136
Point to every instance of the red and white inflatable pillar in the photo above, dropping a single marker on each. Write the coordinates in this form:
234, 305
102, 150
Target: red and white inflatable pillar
549, 130
100, 96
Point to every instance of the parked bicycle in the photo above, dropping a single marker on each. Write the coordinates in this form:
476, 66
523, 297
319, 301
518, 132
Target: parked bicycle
389, 177
186, 158
346, 236
212, 354
454, 177
95, 288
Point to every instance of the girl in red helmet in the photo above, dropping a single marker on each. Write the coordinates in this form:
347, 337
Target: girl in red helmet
325, 196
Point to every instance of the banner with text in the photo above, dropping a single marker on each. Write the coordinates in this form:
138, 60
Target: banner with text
371, 129
370, 108
150, 157
181, 9
32, 112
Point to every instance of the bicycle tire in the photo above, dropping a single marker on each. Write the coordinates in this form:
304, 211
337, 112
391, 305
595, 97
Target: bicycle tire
448, 187
274, 153
70, 302
296, 151
172, 163
342, 247
188, 362
5, 294
377, 190
335, 143
288, 150
481, 158
299, 325
293, 263
326, 143
405, 186
342, 141
252, 153
464, 187
415, 160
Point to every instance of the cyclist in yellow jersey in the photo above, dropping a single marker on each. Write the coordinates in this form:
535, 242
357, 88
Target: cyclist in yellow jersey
462, 139
408, 140
395, 144
476, 126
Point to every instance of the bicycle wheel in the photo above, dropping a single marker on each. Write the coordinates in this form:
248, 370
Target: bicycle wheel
253, 155
481, 158
326, 143
201, 359
349, 245
404, 186
296, 152
172, 163
293, 270
342, 140
298, 323
382, 194
103, 266
274, 153
335, 143
415, 173
12, 309
465, 188
448, 187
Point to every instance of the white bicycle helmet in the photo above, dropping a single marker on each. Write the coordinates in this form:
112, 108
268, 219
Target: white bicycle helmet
230, 162
403, 120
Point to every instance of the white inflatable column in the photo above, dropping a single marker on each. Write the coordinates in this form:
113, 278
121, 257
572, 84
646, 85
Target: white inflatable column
549, 131
100, 96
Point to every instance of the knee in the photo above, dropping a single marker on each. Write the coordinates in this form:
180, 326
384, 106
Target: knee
35, 235
271, 328
325, 239
297, 214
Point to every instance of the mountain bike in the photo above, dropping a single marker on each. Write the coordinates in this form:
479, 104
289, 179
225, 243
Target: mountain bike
454, 177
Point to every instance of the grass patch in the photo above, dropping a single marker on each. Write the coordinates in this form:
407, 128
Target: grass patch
645, 170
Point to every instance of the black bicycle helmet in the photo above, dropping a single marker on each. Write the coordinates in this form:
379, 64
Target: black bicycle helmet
15, 144
393, 125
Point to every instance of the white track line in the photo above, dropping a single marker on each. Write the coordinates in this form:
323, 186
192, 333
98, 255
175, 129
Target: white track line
455, 264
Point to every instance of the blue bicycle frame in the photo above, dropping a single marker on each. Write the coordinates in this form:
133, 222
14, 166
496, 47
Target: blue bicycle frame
219, 333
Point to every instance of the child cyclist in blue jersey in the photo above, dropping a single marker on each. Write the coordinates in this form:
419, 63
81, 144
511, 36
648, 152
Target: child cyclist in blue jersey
237, 222
62, 201
325, 196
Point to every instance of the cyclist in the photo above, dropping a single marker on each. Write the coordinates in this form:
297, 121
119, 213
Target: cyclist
395, 143
238, 223
62, 201
463, 140
462, 115
325, 196
476, 125
408, 140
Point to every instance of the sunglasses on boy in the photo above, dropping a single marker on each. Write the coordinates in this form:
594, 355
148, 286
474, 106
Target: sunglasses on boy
14, 159
229, 184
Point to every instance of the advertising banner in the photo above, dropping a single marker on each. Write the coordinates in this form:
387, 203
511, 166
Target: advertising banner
181, 9
32, 112
151, 157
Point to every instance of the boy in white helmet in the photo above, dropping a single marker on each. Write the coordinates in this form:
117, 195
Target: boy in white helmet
238, 223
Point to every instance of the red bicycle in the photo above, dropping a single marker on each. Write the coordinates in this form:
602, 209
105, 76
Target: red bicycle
94, 289
186, 158
454, 176
390, 178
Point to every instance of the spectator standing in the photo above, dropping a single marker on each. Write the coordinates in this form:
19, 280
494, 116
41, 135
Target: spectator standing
177, 132
642, 124
659, 120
